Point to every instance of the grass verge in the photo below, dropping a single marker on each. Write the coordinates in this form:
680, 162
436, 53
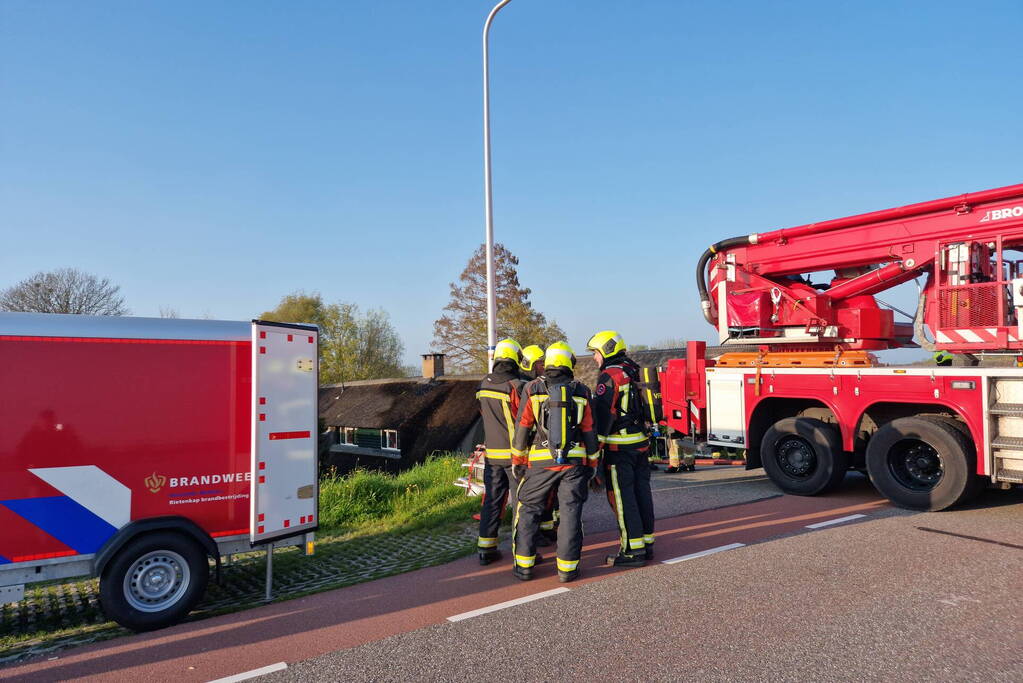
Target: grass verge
373, 502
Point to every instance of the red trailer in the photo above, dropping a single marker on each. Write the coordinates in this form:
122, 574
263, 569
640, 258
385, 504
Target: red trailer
810, 401
137, 449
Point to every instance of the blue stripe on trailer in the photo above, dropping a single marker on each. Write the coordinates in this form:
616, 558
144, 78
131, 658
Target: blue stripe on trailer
65, 520
4, 560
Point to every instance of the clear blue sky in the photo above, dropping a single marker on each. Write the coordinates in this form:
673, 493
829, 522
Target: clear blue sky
214, 156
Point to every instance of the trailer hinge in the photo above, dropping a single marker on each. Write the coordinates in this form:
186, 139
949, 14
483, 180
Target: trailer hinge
962, 209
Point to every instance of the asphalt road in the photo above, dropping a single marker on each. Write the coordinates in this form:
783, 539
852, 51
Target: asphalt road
882, 596
890, 596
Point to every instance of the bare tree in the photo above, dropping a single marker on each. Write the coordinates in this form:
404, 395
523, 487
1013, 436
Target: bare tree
66, 290
169, 312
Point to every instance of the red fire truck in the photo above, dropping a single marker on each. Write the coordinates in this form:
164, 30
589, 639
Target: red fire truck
804, 395
136, 449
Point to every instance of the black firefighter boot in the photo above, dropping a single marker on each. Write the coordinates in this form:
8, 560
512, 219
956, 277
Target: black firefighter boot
488, 555
623, 560
523, 573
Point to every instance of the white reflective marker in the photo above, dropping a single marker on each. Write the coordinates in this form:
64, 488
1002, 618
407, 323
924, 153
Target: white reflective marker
704, 553
509, 603
279, 666
848, 518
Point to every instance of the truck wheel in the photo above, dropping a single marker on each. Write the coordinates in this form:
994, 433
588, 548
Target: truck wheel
154, 581
923, 463
803, 456
977, 483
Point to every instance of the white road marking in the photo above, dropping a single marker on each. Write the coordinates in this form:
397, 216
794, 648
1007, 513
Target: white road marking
704, 553
818, 525
279, 666
509, 603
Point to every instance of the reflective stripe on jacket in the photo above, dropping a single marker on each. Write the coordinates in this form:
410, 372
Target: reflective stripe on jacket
498, 395
528, 447
617, 425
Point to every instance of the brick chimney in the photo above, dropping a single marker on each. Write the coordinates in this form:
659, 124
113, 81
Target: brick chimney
433, 365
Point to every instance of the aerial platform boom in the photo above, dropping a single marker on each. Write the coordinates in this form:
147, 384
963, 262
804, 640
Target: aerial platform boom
757, 288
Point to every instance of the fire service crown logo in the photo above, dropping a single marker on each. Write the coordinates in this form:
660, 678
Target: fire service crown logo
154, 482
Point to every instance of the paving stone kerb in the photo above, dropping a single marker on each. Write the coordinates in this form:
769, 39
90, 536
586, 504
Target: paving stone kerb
68, 614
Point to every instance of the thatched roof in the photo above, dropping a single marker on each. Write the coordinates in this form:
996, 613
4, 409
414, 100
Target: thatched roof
429, 414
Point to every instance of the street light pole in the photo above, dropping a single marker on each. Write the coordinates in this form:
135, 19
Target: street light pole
488, 191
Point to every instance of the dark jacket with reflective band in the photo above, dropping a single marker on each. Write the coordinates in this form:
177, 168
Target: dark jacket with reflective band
498, 395
616, 427
528, 448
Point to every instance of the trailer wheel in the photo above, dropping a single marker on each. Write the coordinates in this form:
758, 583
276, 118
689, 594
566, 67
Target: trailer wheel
923, 463
803, 456
154, 581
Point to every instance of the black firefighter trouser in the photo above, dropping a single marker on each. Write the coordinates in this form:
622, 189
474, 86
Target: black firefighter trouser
498, 484
627, 478
534, 491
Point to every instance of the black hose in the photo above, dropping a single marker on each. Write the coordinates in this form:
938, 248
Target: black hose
701, 270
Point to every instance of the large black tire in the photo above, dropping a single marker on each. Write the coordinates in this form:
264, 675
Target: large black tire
154, 581
977, 483
923, 463
803, 456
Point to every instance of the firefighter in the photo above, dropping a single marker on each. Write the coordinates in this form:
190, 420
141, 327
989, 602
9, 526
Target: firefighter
532, 367
554, 449
499, 395
532, 362
626, 443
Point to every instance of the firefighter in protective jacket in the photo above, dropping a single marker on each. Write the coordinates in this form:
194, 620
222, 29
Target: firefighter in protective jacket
499, 395
555, 449
532, 367
623, 435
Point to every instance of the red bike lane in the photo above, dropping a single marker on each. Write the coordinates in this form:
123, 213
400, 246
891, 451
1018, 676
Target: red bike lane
306, 627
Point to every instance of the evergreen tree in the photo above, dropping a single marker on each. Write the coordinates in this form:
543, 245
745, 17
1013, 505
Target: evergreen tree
461, 332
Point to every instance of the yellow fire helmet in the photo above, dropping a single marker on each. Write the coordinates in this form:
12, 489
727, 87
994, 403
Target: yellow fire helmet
508, 349
559, 355
608, 342
530, 355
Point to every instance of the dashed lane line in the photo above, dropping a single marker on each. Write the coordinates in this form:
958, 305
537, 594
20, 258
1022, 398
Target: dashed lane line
509, 603
262, 671
840, 520
704, 553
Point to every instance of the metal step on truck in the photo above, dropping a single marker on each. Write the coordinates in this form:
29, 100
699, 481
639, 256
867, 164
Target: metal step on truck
140, 450
810, 401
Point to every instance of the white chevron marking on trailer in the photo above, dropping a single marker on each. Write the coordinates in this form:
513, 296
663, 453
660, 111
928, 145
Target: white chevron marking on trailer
93, 489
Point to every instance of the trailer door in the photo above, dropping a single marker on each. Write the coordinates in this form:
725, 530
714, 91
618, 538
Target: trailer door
284, 493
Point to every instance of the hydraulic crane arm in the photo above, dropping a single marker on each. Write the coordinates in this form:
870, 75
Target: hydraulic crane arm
758, 282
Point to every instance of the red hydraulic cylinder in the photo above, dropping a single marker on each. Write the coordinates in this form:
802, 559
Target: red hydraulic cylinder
868, 281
